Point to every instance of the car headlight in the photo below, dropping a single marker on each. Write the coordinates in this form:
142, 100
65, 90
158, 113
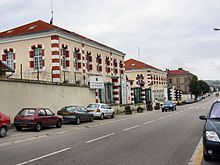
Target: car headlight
170, 105
212, 136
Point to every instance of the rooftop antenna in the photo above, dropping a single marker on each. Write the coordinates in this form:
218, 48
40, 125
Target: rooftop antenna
51, 20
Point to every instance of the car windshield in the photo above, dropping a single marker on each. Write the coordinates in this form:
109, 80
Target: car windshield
167, 102
27, 112
215, 113
93, 106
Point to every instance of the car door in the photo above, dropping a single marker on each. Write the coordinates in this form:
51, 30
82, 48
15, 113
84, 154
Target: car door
42, 117
51, 118
80, 113
85, 114
109, 110
105, 111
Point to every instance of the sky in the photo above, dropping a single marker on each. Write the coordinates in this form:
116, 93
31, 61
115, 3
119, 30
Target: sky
168, 33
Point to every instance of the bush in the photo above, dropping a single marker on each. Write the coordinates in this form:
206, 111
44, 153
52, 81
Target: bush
149, 107
157, 106
140, 110
128, 110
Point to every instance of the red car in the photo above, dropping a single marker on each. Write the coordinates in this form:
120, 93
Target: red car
4, 124
36, 118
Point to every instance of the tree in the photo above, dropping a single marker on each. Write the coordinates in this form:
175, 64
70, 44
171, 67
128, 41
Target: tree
198, 87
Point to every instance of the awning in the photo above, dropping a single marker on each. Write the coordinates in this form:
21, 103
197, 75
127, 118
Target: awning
5, 68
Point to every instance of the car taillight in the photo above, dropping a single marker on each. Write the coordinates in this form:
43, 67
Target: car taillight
98, 110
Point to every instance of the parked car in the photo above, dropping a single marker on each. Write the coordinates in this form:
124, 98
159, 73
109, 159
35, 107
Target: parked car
168, 105
211, 133
4, 124
101, 111
199, 98
36, 118
75, 114
190, 101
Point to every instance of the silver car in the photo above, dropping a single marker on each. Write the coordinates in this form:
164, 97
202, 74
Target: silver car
101, 111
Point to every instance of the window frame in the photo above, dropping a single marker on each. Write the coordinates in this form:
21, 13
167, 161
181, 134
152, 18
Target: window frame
38, 58
10, 59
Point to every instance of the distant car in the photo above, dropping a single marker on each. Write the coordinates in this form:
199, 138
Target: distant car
4, 124
36, 118
199, 98
211, 133
101, 111
75, 114
190, 101
168, 105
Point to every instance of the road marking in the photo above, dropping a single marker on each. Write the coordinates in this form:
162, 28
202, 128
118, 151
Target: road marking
19, 134
61, 132
47, 155
136, 126
161, 118
102, 137
149, 122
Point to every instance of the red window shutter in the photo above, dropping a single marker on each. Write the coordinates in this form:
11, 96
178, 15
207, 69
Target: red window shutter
31, 54
42, 52
43, 63
79, 65
100, 68
31, 64
67, 63
90, 58
122, 71
10, 49
14, 56
4, 57
90, 67
67, 53
14, 66
79, 56
39, 46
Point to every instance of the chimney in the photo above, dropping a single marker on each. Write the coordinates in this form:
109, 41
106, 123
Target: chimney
180, 68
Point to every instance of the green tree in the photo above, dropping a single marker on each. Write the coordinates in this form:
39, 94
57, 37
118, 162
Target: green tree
198, 87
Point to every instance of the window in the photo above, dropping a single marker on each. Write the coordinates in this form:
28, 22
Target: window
83, 109
106, 94
185, 79
38, 64
177, 80
137, 95
42, 113
215, 113
75, 62
49, 113
10, 59
63, 53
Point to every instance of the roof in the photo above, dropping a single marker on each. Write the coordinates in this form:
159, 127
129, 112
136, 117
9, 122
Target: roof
5, 68
41, 26
177, 72
132, 64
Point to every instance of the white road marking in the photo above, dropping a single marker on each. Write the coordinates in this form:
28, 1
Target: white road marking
47, 155
61, 132
136, 126
102, 137
149, 122
161, 118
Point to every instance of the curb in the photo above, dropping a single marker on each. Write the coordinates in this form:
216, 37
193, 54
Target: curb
197, 155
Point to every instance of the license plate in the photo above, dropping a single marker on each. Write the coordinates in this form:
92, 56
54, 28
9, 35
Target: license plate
65, 113
23, 125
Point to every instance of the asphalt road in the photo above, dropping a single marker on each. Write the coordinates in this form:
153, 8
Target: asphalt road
156, 138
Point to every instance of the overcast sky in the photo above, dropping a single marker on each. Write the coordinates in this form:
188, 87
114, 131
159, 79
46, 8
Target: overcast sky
169, 33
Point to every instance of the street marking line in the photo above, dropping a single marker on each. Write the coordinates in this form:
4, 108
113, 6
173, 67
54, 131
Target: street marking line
102, 137
136, 126
47, 155
149, 122
161, 118
61, 132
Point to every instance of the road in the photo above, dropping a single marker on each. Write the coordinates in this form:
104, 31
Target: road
156, 138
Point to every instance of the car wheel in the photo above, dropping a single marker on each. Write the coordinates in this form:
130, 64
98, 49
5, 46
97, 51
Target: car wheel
38, 127
59, 124
18, 128
162, 110
207, 157
78, 121
91, 119
173, 109
3, 132
113, 115
102, 116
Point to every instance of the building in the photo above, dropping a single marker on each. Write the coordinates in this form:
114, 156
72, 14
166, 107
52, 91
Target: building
42, 51
148, 82
179, 79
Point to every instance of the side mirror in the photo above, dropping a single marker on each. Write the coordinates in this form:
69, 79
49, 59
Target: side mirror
202, 117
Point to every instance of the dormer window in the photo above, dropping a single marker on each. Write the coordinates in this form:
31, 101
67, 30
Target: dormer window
32, 27
9, 31
133, 64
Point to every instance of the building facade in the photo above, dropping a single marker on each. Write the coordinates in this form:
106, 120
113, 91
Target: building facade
179, 79
42, 51
148, 82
